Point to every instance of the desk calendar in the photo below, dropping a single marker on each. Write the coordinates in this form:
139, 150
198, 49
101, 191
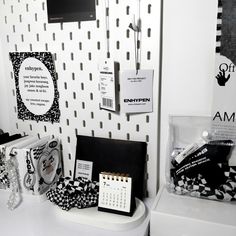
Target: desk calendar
115, 194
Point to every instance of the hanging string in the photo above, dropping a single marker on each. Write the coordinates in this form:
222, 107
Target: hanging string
138, 36
136, 27
133, 27
107, 27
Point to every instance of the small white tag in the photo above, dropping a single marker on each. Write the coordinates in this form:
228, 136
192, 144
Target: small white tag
84, 169
137, 91
107, 85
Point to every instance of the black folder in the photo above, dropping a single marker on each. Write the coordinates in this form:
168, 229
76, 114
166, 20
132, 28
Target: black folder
5, 138
113, 155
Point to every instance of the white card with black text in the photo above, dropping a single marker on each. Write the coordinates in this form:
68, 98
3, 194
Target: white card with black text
107, 85
137, 91
84, 169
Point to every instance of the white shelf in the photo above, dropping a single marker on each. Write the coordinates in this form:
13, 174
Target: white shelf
191, 216
36, 218
93, 217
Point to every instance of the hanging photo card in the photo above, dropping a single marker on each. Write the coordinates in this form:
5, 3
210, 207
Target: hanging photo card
137, 91
36, 86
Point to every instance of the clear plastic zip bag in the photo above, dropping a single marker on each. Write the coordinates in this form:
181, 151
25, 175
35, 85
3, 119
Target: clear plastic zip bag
198, 163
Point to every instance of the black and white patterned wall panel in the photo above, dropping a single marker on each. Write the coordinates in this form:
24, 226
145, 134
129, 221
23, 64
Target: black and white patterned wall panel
77, 49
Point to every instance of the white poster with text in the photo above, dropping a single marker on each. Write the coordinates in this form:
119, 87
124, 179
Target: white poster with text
36, 86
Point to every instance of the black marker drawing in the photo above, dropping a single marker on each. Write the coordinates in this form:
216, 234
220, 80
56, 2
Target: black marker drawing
221, 78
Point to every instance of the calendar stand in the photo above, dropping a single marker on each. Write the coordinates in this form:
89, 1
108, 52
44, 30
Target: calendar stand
93, 217
115, 194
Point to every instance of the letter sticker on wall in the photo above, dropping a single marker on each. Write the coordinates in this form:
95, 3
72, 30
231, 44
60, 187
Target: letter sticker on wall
36, 86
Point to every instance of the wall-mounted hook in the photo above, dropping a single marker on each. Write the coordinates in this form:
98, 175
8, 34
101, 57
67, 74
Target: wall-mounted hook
134, 27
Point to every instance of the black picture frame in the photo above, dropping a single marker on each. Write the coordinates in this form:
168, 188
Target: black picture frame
71, 10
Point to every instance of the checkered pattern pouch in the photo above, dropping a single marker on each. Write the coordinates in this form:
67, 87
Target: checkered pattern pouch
77, 193
198, 186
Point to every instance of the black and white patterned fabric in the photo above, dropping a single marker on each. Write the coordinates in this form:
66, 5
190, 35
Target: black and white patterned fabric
4, 181
198, 186
79, 193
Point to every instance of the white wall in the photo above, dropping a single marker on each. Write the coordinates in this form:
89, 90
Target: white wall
189, 31
4, 107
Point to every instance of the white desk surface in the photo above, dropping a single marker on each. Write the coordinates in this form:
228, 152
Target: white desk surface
191, 216
35, 218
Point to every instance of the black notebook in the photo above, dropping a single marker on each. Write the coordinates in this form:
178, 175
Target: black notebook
112, 155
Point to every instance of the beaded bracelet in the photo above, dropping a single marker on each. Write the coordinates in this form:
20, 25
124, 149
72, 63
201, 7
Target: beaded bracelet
15, 196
